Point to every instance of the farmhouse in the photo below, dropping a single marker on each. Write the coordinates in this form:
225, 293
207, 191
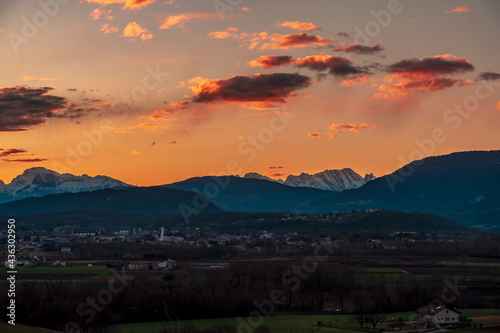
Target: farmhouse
438, 314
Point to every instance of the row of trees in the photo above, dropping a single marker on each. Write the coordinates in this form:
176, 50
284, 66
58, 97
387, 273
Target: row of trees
244, 288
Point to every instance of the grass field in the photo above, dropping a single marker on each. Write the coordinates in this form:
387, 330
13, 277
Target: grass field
301, 324
19, 328
280, 324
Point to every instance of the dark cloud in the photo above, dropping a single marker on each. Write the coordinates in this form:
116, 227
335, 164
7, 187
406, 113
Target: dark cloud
360, 49
11, 151
262, 88
71, 89
488, 76
437, 65
276, 167
336, 65
277, 174
27, 160
16, 155
343, 34
22, 108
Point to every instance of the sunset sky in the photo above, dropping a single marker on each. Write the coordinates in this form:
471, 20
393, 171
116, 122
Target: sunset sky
152, 92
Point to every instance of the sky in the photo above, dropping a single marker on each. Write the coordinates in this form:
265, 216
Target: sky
152, 92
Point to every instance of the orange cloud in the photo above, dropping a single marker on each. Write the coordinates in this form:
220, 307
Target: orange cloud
463, 9
296, 25
127, 4
135, 153
264, 41
498, 106
159, 114
331, 135
133, 30
108, 29
175, 21
98, 13
180, 20
150, 127
314, 135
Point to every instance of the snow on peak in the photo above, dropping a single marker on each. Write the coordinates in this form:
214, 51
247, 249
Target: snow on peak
40, 181
332, 180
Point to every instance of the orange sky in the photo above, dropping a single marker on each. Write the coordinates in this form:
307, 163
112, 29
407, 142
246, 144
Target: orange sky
151, 92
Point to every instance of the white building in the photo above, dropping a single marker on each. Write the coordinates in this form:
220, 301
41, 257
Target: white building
438, 315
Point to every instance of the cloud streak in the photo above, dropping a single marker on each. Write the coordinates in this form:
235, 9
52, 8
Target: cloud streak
360, 49
14, 155
265, 41
127, 4
179, 21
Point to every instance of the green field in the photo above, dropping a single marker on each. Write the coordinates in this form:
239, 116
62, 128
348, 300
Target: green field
278, 324
302, 323
19, 328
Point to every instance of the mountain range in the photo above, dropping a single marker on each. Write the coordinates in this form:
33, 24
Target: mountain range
332, 180
37, 182
463, 187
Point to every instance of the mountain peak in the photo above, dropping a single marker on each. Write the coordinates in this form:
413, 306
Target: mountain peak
369, 176
333, 180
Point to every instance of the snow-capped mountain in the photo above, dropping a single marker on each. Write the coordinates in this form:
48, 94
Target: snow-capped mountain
37, 182
333, 180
